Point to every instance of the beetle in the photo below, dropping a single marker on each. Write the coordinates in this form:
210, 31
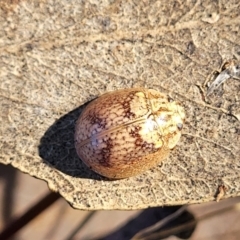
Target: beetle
128, 131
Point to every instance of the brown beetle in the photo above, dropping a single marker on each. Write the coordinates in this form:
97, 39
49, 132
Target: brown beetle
125, 132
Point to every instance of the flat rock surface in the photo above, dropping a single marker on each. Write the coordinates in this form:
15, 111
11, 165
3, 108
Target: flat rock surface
55, 56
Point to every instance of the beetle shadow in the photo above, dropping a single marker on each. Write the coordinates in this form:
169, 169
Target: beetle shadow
57, 147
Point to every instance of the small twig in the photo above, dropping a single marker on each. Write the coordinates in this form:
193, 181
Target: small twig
145, 232
230, 69
187, 225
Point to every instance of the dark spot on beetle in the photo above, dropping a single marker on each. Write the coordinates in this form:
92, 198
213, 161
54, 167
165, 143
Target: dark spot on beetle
104, 162
138, 142
105, 153
135, 132
129, 114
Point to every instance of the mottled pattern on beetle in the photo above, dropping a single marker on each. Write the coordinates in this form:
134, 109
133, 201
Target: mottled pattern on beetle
111, 113
128, 131
121, 146
123, 109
